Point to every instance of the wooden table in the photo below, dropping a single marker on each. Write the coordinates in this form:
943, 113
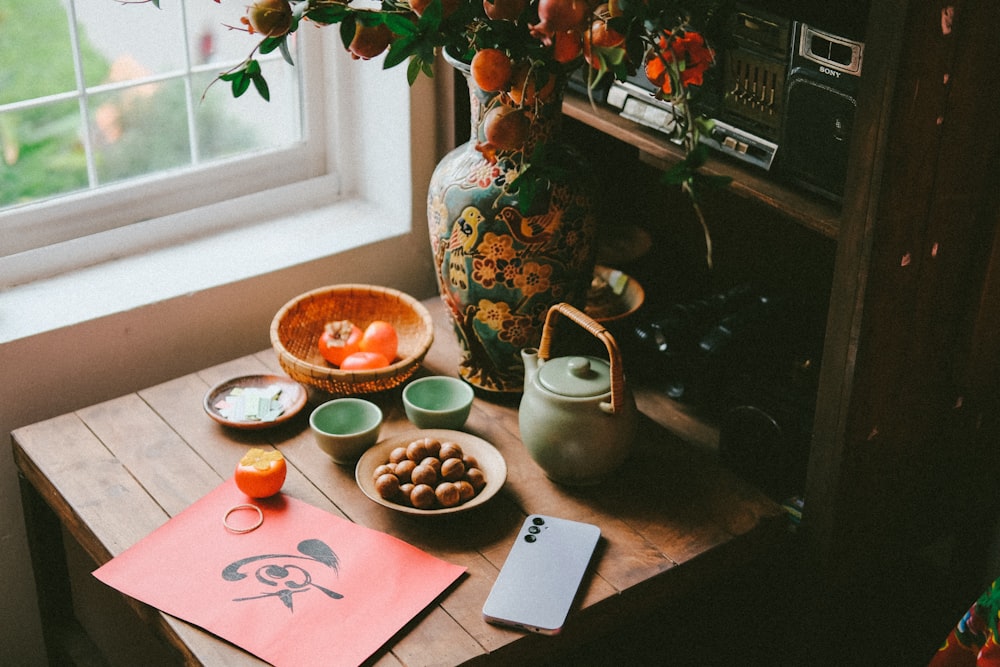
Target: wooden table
111, 473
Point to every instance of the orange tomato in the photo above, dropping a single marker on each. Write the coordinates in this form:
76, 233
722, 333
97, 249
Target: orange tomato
364, 361
339, 340
380, 337
260, 473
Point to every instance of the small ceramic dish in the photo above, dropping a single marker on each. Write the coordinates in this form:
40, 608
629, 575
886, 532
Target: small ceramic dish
613, 295
289, 397
491, 462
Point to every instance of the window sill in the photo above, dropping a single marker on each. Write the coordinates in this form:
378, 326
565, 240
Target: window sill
229, 256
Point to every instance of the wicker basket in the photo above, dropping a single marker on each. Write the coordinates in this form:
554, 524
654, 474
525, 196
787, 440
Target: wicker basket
296, 329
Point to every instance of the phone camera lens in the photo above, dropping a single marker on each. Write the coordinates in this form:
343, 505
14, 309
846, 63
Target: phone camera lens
534, 530
538, 521
530, 538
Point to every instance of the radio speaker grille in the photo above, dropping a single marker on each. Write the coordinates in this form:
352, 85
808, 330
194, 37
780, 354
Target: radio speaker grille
817, 136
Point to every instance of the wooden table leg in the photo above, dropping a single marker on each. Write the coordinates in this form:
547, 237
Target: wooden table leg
65, 639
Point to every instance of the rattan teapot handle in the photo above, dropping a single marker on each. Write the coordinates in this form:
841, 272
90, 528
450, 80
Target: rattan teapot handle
596, 329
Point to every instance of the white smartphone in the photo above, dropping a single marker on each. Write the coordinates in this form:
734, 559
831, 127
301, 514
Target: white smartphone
540, 578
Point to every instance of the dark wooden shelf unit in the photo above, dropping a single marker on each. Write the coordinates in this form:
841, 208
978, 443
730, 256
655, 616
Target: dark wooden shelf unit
656, 150
903, 449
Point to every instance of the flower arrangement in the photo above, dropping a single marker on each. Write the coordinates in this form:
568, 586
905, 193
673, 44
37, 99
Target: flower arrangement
518, 49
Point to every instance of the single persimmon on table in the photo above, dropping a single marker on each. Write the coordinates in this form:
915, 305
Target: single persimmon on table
261, 473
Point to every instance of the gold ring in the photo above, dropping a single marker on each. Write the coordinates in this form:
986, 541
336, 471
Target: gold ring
244, 506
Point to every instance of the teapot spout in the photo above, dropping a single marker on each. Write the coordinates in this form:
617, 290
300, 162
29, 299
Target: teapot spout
529, 356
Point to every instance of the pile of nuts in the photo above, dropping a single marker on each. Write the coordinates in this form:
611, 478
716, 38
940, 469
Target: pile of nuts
429, 474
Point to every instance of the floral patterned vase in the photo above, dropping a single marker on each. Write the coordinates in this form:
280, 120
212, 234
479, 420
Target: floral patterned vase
499, 268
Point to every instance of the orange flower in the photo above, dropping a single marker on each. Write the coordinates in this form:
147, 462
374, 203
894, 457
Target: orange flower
691, 54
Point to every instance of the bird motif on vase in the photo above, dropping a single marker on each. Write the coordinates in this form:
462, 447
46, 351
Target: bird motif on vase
531, 230
465, 230
464, 234
458, 272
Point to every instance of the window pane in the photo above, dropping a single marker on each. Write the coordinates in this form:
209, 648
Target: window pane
212, 41
134, 130
140, 130
35, 50
228, 125
135, 39
42, 153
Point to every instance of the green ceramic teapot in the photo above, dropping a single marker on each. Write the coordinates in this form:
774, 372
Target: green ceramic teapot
577, 417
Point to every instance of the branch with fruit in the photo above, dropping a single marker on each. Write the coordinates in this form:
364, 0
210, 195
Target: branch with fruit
516, 48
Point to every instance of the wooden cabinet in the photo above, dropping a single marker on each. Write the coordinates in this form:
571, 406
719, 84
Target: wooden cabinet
901, 422
903, 453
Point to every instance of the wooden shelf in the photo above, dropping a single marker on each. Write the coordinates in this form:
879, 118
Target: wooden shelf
654, 149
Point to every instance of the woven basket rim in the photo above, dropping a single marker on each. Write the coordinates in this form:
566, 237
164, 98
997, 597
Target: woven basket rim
423, 342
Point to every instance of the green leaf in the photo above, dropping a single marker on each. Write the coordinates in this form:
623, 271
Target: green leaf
704, 125
261, 85
333, 13
347, 28
412, 70
697, 157
548, 163
400, 25
269, 44
241, 84
286, 52
677, 174
400, 50
431, 18
527, 191
612, 55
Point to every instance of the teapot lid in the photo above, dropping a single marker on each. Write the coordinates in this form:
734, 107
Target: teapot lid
577, 377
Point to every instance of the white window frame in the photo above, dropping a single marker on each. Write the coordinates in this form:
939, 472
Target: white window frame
92, 211
343, 147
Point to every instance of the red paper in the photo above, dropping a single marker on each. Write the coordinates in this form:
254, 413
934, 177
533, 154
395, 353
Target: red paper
305, 588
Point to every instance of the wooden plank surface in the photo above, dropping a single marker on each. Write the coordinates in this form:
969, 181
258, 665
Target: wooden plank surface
115, 471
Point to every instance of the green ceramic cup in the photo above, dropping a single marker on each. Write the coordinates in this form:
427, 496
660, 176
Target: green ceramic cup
345, 427
438, 401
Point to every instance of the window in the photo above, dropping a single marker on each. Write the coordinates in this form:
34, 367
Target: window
107, 116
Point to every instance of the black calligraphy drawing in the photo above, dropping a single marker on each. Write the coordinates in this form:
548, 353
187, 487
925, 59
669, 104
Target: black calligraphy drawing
285, 579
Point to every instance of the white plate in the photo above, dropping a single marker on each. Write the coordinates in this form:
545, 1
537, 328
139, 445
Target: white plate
490, 461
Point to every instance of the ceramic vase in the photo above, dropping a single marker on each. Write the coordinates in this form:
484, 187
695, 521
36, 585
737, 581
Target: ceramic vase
500, 267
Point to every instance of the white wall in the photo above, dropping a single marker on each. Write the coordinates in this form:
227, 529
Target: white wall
60, 369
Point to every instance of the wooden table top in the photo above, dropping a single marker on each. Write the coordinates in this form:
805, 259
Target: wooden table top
670, 518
